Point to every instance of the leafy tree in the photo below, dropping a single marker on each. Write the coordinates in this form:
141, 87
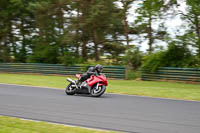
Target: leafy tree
192, 17
126, 6
149, 12
15, 25
49, 30
102, 16
65, 31
114, 50
6, 36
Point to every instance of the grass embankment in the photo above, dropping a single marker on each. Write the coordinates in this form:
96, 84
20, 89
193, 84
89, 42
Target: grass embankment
15, 125
131, 87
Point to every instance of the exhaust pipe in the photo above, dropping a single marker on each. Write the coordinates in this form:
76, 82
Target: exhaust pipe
70, 80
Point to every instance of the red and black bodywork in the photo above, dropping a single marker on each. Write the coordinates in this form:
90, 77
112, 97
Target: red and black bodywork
95, 86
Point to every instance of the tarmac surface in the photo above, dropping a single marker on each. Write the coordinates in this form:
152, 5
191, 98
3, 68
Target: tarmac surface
123, 113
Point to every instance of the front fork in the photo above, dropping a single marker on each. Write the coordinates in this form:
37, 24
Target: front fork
97, 85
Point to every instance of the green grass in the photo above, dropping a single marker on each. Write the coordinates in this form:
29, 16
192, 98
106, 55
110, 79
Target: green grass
15, 125
130, 87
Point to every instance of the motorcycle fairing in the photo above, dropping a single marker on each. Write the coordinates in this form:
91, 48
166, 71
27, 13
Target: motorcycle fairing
99, 79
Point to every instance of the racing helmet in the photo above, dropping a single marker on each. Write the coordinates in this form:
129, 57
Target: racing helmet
99, 68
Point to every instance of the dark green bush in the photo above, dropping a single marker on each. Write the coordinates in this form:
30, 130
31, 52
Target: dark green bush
153, 61
174, 56
133, 58
46, 54
70, 59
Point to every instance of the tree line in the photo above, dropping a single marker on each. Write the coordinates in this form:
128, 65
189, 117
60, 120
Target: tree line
79, 31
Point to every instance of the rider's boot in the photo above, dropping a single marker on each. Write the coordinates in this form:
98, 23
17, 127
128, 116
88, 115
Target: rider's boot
78, 83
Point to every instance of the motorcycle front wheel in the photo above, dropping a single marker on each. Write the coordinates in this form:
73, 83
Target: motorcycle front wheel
70, 90
98, 91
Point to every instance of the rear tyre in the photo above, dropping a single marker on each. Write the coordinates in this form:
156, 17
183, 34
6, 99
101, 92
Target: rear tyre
70, 90
97, 92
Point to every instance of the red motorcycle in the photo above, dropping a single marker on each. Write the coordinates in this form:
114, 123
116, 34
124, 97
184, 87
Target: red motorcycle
95, 86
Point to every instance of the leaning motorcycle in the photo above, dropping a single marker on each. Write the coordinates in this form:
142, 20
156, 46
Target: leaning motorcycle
94, 86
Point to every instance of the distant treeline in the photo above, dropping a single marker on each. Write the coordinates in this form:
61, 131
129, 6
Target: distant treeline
77, 31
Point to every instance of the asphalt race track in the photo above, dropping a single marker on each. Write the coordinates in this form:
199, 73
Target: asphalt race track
112, 112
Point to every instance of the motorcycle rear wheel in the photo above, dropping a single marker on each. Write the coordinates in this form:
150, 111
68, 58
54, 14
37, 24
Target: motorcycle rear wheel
97, 92
70, 90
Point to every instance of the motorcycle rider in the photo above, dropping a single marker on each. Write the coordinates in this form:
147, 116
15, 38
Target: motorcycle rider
91, 71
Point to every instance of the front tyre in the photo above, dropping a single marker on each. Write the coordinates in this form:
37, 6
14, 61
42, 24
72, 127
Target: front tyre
70, 90
97, 92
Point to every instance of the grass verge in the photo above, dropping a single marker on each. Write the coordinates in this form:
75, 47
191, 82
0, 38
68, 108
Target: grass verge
130, 87
16, 125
